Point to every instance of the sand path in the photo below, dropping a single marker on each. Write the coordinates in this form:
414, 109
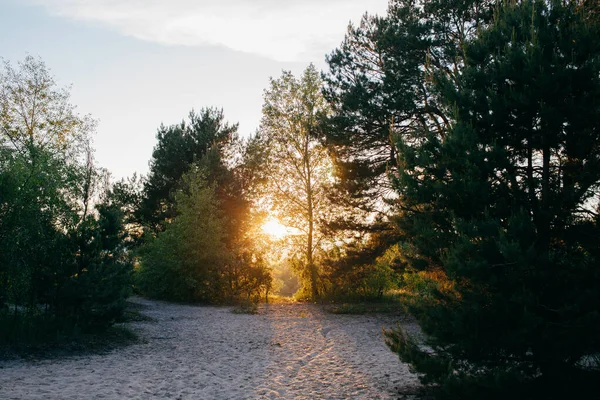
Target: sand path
287, 351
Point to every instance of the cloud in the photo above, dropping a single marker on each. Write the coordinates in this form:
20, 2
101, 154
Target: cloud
285, 30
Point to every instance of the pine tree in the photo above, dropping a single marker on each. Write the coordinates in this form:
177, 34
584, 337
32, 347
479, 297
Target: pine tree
184, 262
205, 134
378, 87
61, 259
503, 208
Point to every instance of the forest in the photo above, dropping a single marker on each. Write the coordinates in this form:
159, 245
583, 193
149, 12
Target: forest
447, 161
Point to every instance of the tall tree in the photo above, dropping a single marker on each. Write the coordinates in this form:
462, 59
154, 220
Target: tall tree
41, 140
178, 147
183, 262
55, 249
196, 257
36, 115
502, 209
379, 87
297, 165
232, 267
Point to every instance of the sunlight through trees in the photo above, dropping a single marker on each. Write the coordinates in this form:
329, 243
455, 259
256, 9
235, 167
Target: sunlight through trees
275, 229
446, 165
298, 168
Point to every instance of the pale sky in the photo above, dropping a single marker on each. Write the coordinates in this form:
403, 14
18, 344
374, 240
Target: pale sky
134, 64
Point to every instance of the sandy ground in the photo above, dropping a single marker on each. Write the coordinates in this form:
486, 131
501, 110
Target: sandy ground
287, 351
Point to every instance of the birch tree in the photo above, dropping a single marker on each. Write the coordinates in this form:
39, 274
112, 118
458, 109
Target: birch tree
297, 167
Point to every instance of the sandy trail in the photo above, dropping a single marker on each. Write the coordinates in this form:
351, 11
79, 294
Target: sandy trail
287, 351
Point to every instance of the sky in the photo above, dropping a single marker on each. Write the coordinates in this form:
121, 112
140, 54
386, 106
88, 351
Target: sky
134, 64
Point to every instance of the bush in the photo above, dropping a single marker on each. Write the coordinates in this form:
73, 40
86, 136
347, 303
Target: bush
81, 287
360, 281
191, 260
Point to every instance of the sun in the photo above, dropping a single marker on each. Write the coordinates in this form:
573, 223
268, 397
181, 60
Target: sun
273, 228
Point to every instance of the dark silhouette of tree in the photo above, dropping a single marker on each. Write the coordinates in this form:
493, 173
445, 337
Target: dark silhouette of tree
378, 87
500, 211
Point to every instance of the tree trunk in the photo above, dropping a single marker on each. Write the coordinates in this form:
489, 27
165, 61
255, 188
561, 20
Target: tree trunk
544, 226
530, 181
312, 268
309, 243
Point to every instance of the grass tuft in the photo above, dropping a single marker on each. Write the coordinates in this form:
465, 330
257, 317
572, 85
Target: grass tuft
246, 307
367, 308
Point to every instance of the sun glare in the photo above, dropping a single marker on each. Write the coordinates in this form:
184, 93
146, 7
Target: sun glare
273, 228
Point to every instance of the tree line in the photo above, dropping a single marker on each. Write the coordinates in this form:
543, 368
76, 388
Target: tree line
451, 152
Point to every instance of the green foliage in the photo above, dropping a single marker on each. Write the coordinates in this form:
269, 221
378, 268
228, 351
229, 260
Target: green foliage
63, 267
368, 282
182, 262
247, 276
286, 282
96, 294
388, 304
365, 271
126, 195
78, 278
178, 148
379, 86
195, 204
296, 166
497, 213
191, 261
